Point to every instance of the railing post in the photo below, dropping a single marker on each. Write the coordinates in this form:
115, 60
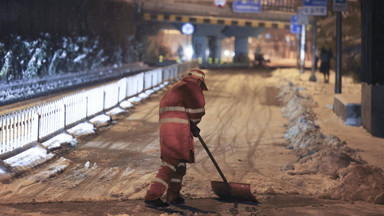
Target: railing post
104, 101
126, 88
18, 128
1, 135
137, 86
65, 116
38, 126
86, 107
118, 95
8, 128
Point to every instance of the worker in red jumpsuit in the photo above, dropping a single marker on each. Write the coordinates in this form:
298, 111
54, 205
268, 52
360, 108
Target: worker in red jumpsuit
181, 109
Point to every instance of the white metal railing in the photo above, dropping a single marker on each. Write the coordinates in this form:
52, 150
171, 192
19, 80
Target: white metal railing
94, 101
21, 128
53, 110
74, 108
18, 129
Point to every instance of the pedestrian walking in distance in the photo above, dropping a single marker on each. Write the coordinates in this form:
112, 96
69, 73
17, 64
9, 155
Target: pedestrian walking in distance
180, 110
325, 65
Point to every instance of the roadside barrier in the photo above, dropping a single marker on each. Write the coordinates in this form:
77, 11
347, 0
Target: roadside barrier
23, 129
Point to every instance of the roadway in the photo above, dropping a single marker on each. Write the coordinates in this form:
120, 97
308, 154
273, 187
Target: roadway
109, 173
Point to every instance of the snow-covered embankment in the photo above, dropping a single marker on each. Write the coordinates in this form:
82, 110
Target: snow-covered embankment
350, 177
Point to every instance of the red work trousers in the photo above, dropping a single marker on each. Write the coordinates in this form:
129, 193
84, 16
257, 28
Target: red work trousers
170, 175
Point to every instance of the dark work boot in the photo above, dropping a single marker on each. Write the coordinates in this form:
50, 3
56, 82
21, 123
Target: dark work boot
157, 203
178, 200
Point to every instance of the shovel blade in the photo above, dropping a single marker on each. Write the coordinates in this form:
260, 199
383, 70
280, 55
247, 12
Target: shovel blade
232, 190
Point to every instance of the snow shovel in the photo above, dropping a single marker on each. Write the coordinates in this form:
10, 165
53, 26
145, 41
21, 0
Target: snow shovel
228, 190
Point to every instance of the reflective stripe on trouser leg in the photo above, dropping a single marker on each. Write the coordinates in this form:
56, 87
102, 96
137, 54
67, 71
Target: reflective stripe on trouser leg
174, 185
161, 181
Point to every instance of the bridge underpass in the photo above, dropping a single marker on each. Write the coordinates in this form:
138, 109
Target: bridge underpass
212, 24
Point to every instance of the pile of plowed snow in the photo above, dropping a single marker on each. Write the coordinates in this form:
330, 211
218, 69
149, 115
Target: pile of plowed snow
327, 155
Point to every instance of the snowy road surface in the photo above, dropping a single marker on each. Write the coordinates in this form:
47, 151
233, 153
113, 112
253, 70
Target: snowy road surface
243, 127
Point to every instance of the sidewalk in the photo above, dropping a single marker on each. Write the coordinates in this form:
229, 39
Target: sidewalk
370, 148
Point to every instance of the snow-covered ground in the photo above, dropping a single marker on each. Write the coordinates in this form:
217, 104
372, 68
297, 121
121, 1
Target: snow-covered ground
328, 149
310, 155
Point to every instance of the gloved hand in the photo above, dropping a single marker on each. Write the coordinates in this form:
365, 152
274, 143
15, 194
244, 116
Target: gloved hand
195, 130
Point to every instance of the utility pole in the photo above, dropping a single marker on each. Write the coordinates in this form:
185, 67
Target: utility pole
313, 75
338, 7
338, 53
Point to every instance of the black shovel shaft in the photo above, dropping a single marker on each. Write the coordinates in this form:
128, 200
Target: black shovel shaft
213, 159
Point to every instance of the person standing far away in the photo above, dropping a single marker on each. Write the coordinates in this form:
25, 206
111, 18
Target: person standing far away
317, 58
325, 65
180, 53
180, 110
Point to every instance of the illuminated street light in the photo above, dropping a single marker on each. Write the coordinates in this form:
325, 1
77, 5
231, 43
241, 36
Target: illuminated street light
188, 52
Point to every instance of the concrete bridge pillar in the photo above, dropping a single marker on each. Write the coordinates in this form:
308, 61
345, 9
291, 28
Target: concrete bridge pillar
214, 43
199, 44
241, 35
241, 49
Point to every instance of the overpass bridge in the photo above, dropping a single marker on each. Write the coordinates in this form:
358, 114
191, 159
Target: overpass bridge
212, 23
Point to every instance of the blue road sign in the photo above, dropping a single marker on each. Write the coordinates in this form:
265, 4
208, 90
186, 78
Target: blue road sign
340, 5
315, 7
295, 27
246, 6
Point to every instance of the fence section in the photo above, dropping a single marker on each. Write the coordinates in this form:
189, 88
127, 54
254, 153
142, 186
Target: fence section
20, 129
52, 110
17, 130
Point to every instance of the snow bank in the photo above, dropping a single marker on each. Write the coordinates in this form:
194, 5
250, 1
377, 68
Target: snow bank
126, 104
115, 111
352, 179
58, 140
29, 158
83, 128
135, 99
359, 182
97, 121
2, 171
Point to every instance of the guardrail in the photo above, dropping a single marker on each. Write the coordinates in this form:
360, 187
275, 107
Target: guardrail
22, 129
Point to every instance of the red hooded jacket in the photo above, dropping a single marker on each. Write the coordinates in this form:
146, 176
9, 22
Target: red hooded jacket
180, 107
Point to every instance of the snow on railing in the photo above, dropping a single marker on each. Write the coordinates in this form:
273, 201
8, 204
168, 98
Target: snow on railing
20, 129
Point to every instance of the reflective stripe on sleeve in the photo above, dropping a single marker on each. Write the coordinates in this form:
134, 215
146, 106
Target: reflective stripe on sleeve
172, 108
195, 120
181, 109
174, 120
199, 110
161, 181
181, 164
163, 163
176, 180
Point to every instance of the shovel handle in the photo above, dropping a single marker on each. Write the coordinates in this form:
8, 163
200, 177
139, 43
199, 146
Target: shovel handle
213, 159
